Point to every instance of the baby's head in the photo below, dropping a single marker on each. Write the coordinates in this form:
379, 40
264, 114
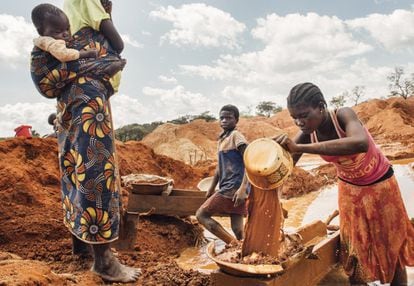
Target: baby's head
50, 21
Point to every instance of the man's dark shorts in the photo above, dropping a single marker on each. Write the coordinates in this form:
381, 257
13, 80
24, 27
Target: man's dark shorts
219, 204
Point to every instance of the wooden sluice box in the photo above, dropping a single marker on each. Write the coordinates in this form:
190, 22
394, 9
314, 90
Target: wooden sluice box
154, 199
178, 202
305, 271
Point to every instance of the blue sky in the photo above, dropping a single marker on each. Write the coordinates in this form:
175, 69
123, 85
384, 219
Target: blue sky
187, 57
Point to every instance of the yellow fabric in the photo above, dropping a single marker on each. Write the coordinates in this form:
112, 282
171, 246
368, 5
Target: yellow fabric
84, 13
57, 48
116, 81
88, 13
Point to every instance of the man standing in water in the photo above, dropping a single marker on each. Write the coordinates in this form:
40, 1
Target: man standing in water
230, 198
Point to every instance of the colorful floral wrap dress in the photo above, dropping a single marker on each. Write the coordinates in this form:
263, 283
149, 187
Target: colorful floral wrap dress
90, 190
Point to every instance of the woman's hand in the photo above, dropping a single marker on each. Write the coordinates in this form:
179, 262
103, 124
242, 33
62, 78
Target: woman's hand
286, 143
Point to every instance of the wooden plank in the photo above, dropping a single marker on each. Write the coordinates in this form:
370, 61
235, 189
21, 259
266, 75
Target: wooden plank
305, 272
312, 270
165, 205
128, 231
311, 230
187, 193
312, 235
219, 278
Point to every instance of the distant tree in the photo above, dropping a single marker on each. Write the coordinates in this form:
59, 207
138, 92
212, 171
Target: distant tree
135, 131
205, 115
339, 100
267, 108
188, 118
139, 131
181, 120
356, 94
400, 86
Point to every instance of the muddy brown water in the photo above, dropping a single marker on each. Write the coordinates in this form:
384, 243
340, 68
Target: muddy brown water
305, 209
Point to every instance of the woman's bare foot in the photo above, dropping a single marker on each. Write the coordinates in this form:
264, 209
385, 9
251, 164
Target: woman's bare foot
80, 248
115, 67
108, 267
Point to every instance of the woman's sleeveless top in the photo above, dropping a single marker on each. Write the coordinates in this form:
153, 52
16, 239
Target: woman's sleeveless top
361, 168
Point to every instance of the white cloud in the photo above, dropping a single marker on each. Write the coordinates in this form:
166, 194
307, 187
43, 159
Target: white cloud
248, 97
129, 41
309, 37
293, 44
167, 79
16, 39
358, 73
394, 31
200, 25
171, 103
33, 114
127, 110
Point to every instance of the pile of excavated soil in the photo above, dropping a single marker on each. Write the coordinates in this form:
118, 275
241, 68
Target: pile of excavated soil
257, 127
32, 227
301, 182
135, 157
189, 143
388, 120
197, 141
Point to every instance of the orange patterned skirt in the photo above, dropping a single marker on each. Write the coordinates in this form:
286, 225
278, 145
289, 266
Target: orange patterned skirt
376, 232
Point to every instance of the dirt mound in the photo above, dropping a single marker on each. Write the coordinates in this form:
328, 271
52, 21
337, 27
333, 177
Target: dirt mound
189, 143
258, 127
282, 119
387, 120
327, 174
30, 272
300, 182
135, 157
197, 141
172, 274
31, 215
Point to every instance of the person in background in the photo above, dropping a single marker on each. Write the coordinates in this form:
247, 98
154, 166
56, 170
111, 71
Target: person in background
231, 196
377, 238
53, 122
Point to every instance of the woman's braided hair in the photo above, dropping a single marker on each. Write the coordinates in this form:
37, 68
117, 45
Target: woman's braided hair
305, 93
